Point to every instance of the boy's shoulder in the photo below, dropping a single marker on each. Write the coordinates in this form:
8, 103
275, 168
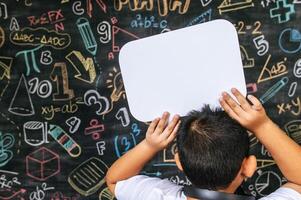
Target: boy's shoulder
149, 188
283, 193
145, 187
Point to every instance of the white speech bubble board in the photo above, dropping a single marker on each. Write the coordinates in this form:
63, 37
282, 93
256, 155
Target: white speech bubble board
181, 70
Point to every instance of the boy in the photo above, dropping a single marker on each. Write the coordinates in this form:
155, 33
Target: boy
212, 153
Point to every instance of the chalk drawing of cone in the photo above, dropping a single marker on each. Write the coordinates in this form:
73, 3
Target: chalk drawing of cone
21, 103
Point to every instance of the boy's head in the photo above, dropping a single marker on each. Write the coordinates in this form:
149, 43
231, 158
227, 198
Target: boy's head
213, 150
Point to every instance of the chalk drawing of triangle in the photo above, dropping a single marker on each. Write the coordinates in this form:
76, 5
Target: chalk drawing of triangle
125, 35
266, 73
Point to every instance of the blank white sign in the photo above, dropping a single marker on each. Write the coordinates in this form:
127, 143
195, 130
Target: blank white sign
181, 70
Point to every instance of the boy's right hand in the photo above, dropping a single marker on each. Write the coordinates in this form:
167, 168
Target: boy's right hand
252, 117
160, 134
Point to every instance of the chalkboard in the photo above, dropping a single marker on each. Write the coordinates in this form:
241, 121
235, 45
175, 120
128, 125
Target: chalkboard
64, 117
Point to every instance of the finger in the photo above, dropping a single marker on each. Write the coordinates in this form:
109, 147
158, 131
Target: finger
153, 126
256, 103
173, 134
241, 99
162, 123
228, 109
171, 126
233, 104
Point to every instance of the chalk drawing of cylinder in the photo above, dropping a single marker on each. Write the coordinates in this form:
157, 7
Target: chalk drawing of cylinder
35, 133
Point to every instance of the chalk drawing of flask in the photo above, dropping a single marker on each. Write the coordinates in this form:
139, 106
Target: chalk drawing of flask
87, 35
35, 133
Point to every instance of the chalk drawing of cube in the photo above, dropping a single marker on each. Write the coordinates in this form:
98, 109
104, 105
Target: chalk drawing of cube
42, 164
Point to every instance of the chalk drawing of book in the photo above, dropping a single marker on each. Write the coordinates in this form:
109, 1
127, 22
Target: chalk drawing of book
232, 5
88, 177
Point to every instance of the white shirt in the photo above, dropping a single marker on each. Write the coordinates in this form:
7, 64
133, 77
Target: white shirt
147, 188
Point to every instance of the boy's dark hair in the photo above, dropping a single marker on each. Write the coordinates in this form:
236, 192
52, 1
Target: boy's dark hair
211, 148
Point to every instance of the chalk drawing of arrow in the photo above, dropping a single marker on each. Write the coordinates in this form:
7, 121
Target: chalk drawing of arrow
15, 194
82, 66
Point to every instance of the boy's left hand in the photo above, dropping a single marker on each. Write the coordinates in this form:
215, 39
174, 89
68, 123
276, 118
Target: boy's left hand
159, 135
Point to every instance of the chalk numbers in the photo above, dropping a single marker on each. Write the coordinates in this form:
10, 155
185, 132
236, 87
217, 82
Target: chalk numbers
42, 88
60, 76
279, 67
104, 30
261, 45
297, 69
242, 28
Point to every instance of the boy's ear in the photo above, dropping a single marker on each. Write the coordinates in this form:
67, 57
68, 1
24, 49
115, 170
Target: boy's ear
249, 166
178, 163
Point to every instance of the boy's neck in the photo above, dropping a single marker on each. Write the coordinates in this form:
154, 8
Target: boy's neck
189, 198
231, 189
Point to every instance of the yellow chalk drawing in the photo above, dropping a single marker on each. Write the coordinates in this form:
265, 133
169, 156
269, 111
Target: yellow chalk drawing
164, 6
5, 65
88, 177
232, 5
87, 64
246, 60
276, 70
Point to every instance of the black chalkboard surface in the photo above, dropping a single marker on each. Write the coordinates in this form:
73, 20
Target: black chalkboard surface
64, 117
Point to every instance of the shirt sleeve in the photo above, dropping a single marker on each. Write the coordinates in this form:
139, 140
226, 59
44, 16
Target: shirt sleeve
283, 193
147, 188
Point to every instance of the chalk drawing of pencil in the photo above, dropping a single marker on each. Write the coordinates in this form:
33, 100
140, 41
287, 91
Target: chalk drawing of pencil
59, 135
87, 35
273, 90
